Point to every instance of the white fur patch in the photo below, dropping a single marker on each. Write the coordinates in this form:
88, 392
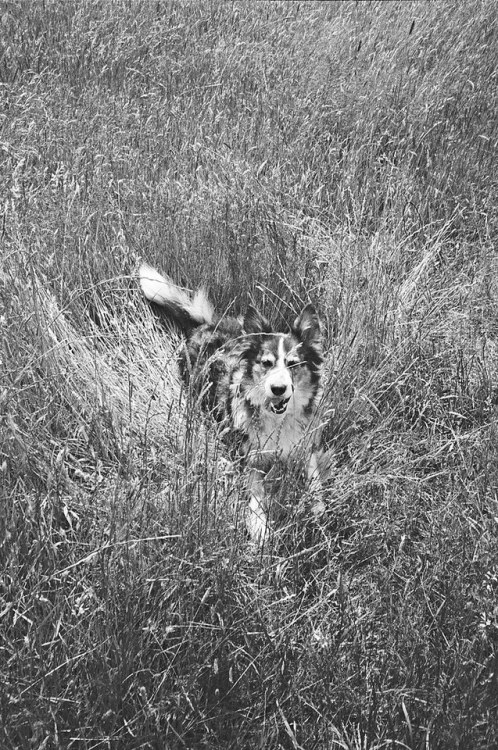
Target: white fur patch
279, 376
161, 290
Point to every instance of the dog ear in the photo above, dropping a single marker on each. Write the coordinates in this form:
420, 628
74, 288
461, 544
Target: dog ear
254, 322
307, 327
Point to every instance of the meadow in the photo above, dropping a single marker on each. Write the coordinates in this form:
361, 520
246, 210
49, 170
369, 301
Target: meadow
340, 153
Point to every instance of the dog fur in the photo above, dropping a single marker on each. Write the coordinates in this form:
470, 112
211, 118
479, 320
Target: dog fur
264, 385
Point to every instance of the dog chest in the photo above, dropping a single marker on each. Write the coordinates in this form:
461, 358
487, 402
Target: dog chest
267, 433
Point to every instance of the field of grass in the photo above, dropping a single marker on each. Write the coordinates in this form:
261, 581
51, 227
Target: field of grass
278, 152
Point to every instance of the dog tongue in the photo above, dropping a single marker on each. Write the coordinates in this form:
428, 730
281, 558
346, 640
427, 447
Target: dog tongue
280, 406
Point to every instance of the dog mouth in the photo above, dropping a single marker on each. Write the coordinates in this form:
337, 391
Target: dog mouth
279, 407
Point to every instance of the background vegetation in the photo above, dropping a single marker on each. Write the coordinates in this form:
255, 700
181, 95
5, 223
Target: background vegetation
338, 152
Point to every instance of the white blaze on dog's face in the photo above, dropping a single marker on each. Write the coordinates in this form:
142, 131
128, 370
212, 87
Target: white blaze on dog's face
270, 380
276, 376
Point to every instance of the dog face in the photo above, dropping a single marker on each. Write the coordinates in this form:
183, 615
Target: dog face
278, 370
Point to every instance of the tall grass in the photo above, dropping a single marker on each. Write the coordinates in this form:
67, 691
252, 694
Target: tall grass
339, 153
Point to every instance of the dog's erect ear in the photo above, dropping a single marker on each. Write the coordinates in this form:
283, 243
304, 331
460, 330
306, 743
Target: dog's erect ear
254, 322
307, 327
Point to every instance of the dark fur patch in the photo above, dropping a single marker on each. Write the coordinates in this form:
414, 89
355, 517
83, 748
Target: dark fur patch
206, 361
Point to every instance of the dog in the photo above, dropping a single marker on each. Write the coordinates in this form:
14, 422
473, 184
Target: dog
265, 386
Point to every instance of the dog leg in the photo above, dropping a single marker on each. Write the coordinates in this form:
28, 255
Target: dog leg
256, 520
318, 507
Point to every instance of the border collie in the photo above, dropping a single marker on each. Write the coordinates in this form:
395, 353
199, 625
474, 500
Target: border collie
264, 385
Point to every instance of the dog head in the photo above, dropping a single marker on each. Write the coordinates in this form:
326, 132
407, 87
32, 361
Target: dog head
279, 369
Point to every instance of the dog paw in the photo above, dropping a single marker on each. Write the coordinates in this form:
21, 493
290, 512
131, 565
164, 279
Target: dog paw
257, 526
318, 508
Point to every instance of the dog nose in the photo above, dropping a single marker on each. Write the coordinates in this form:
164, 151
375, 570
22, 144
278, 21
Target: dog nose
278, 390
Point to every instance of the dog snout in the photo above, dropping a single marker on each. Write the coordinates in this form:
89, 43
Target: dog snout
278, 390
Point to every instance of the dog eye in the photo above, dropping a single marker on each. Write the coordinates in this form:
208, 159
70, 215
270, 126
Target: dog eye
293, 362
267, 362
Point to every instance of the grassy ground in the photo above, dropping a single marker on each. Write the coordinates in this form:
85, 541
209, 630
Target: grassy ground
343, 153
